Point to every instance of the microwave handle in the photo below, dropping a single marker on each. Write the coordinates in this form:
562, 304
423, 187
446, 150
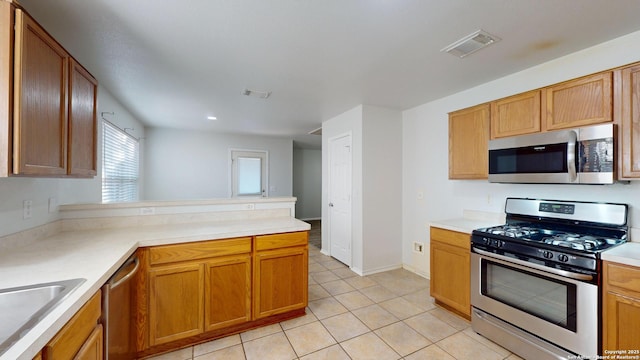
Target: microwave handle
572, 150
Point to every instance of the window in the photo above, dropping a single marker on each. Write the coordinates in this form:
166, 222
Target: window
119, 165
249, 173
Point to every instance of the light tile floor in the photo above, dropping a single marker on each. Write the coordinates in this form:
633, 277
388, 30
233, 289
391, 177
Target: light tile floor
389, 315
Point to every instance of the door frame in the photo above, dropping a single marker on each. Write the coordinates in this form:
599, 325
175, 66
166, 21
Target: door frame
231, 172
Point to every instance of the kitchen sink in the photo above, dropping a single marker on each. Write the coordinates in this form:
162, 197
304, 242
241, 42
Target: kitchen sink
21, 308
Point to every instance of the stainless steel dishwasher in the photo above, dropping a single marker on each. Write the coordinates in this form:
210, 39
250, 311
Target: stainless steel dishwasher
118, 312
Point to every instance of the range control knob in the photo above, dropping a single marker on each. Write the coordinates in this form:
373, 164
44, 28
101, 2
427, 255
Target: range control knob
497, 243
548, 254
563, 258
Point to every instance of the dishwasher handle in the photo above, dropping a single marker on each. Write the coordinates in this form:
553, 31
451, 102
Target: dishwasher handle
114, 284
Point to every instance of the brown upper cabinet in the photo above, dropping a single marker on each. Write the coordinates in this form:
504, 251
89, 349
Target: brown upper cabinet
83, 130
627, 107
40, 96
468, 143
516, 115
48, 120
580, 102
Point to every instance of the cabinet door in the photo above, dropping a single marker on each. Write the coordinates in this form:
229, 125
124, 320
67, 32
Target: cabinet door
40, 98
629, 122
280, 281
516, 115
83, 92
176, 302
77, 332
93, 347
621, 319
450, 276
227, 291
579, 102
468, 143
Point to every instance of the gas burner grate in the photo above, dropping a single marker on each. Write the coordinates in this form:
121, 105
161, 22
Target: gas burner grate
575, 241
513, 231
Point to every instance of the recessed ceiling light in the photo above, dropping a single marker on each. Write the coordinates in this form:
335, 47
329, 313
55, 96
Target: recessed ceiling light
471, 43
212, 118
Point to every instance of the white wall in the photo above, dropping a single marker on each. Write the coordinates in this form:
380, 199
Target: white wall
425, 150
13, 191
382, 188
376, 191
307, 183
185, 164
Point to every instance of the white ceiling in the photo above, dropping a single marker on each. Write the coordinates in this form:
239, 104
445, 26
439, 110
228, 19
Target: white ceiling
172, 63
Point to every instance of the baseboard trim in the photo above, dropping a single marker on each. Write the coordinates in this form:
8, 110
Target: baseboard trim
416, 271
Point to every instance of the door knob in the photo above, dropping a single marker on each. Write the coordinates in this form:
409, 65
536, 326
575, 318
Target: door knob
330, 204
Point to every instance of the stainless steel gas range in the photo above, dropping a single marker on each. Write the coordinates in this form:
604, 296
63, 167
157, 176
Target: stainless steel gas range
535, 281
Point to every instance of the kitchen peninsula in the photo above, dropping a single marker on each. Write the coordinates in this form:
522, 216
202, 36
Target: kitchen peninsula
92, 242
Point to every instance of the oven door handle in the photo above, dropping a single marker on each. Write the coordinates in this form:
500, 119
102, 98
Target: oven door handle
508, 260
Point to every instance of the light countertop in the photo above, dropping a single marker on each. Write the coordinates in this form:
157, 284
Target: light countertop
470, 221
96, 254
628, 253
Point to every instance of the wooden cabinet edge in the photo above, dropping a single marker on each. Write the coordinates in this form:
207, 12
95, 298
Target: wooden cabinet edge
6, 87
460, 243
74, 66
70, 339
460, 239
612, 295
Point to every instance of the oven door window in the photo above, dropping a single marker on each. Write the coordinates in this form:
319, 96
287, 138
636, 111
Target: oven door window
545, 298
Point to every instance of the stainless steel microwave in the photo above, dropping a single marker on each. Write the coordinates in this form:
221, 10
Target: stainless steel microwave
574, 156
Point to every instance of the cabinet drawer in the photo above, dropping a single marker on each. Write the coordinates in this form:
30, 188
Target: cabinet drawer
198, 250
266, 242
623, 277
454, 238
73, 335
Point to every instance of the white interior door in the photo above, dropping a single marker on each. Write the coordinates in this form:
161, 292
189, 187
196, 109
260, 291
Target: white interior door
340, 163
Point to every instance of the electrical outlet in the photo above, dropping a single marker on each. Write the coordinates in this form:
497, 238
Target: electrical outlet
147, 211
250, 206
418, 247
27, 208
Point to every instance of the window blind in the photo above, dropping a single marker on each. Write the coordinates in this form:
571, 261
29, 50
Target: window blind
119, 165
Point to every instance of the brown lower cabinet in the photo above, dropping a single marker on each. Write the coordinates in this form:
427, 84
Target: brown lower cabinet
81, 338
450, 270
281, 273
621, 308
193, 292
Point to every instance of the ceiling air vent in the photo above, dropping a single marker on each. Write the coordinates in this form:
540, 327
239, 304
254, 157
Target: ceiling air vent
471, 43
259, 94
